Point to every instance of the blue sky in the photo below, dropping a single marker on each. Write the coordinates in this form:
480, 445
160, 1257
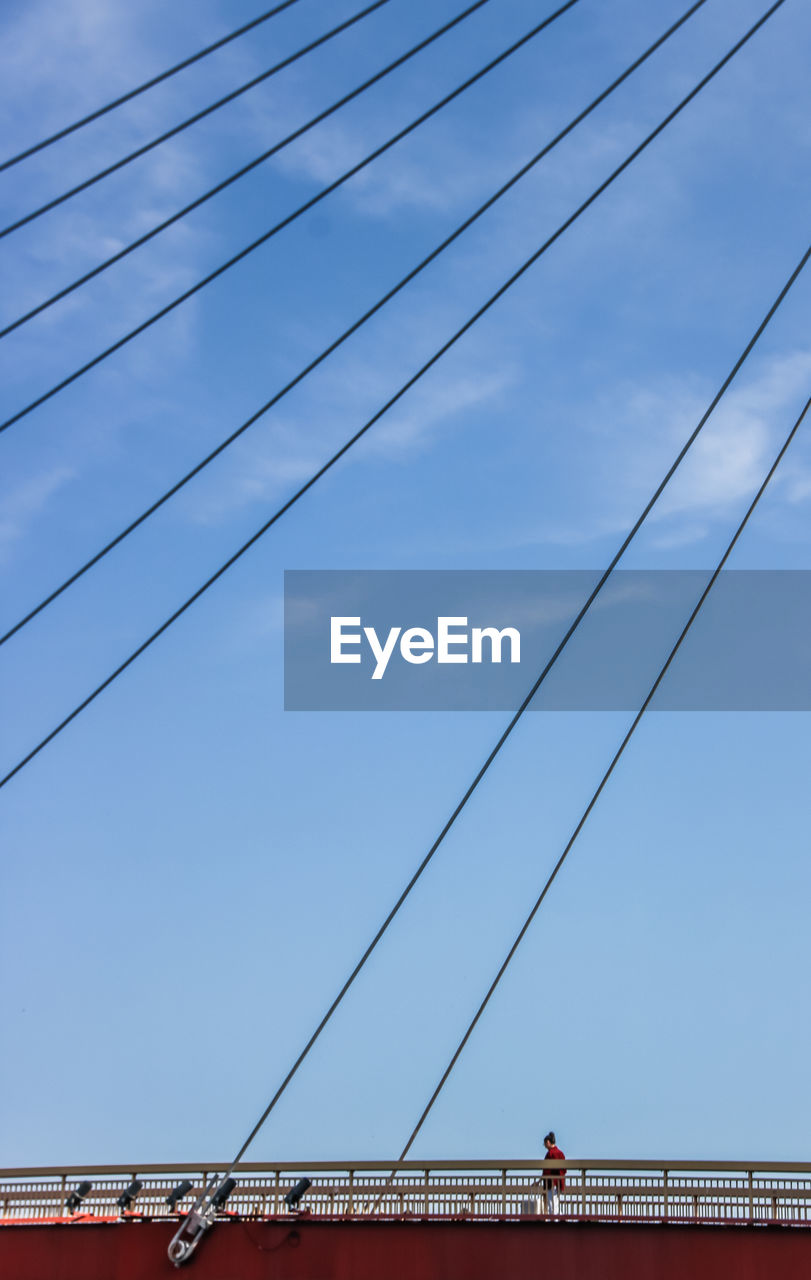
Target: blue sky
189, 872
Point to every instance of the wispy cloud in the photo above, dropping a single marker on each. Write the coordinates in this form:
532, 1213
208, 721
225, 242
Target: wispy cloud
291, 449
431, 408
797, 484
638, 432
438, 179
734, 450
98, 223
21, 505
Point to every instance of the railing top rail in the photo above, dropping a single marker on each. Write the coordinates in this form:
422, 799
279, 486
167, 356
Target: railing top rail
423, 1166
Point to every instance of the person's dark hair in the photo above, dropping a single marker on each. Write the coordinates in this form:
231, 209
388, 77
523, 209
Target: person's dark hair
550, 1137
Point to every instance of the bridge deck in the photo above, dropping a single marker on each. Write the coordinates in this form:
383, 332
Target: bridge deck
595, 1190
371, 1249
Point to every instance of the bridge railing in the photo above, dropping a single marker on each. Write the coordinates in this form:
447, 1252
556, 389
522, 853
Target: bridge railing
606, 1190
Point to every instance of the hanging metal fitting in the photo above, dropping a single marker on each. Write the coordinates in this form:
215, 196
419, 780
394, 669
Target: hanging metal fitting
198, 1220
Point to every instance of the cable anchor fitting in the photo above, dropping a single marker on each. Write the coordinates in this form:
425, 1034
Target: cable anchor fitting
199, 1219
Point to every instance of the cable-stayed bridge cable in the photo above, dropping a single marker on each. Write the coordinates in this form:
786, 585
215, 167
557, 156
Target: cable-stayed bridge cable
279, 226
186, 124
148, 84
505, 735
347, 333
394, 400
245, 169
598, 792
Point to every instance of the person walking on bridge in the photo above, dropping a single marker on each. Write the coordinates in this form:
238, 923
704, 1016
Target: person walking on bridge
555, 1180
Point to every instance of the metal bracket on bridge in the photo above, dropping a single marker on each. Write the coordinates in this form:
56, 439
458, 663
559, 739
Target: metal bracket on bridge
198, 1220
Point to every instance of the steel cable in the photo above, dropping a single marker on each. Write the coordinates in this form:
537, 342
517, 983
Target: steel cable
148, 84
495, 751
347, 333
241, 172
279, 226
521, 710
598, 792
186, 124
391, 402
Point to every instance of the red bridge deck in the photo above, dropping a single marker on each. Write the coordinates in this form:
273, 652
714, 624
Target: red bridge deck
312, 1249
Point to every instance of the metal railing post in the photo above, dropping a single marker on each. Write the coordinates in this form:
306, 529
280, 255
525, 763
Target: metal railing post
751, 1178
583, 1194
350, 1207
666, 1184
504, 1193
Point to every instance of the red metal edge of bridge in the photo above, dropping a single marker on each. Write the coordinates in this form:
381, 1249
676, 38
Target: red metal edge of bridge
419, 1249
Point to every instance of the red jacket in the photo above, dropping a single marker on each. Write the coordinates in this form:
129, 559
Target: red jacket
555, 1175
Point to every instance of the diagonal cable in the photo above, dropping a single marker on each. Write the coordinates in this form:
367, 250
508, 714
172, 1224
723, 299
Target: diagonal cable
495, 751
148, 84
347, 333
240, 173
185, 124
393, 400
309, 204
493, 754
593, 801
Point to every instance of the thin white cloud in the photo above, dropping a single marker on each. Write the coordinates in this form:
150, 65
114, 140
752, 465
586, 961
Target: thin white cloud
21, 505
100, 38
293, 448
644, 429
258, 472
637, 433
797, 484
731, 456
438, 168
410, 429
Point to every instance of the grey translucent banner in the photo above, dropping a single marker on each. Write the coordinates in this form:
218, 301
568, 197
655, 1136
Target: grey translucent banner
465, 640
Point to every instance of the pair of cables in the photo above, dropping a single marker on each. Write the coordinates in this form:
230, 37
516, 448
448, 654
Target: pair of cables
795, 274
277, 515
512, 725
605, 778
146, 85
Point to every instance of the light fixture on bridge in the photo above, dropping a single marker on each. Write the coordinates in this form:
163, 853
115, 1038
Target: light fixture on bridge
223, 1192
127, 1197
177, 1193
77, 1195
295, 1193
